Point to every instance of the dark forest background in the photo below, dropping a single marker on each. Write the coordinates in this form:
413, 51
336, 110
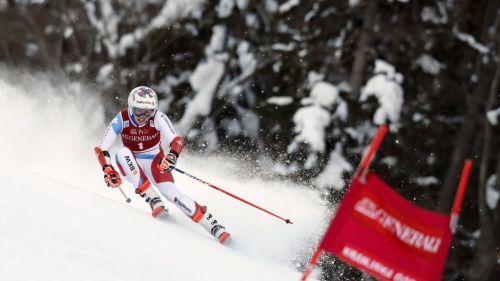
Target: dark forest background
447, 51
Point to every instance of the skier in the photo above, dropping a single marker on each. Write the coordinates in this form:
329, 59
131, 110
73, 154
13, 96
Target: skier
142, 160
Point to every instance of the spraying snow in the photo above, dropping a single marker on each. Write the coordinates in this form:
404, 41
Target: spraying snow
60, 221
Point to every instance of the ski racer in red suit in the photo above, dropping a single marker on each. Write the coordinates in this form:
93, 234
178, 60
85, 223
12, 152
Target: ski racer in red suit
142, 160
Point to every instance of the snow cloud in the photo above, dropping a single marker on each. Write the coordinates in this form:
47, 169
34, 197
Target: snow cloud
56, 124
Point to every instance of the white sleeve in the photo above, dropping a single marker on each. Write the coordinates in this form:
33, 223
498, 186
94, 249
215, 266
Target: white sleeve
114, 129
167, 131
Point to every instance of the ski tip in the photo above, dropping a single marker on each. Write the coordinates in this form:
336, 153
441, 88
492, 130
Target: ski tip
160, 212
288, 221
224, 237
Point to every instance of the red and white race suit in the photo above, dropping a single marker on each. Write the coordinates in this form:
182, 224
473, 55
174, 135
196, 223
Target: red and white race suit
138, 159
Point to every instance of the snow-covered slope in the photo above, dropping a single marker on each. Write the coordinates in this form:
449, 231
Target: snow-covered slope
52, 230
59, 222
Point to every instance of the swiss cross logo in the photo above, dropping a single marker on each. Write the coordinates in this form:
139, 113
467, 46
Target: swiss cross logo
179, 142
144, 92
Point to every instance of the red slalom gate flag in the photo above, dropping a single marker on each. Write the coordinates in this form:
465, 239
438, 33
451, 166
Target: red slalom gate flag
380, 232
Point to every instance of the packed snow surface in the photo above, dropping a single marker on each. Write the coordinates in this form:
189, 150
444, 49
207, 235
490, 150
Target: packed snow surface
59, 221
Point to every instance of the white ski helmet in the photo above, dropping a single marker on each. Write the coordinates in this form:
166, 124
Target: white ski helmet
142, 101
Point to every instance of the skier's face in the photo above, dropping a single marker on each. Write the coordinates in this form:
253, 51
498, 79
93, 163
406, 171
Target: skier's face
143, 112
141, 120
142, 115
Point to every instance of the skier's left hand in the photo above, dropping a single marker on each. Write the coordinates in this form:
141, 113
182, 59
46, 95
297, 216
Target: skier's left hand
167, 163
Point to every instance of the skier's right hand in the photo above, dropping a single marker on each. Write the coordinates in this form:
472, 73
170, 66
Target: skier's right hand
111, 176
167, 163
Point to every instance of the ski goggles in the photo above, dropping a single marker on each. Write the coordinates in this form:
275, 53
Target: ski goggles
139, 112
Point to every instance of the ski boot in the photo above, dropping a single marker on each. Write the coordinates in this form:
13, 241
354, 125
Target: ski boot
153, 199
208, 222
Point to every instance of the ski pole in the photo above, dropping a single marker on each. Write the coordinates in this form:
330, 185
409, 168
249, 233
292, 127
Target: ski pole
127, 199
101, 156
230, 194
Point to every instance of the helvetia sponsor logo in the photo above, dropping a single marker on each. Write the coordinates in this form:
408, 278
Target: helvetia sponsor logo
405, 233
178, 202
145, 102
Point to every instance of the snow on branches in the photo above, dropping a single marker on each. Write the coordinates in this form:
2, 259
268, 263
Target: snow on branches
314, 117
385, 86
